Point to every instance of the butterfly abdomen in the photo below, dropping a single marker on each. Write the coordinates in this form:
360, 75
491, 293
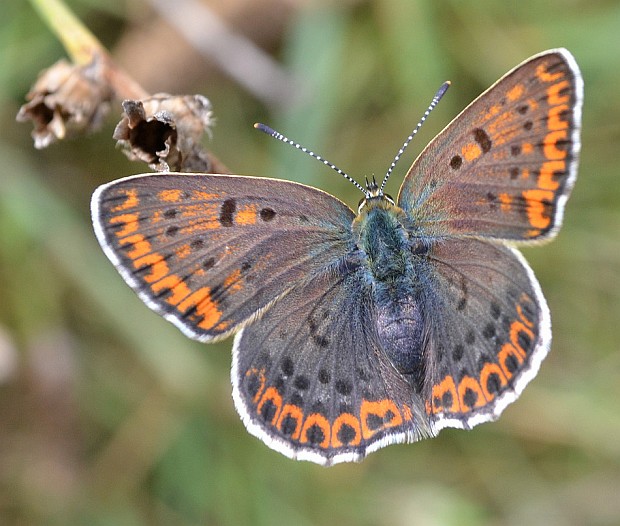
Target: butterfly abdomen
400, 331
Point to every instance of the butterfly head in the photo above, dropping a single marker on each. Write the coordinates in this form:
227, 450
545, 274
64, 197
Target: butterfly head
374, 196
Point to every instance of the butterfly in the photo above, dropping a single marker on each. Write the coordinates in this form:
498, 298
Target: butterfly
358, 330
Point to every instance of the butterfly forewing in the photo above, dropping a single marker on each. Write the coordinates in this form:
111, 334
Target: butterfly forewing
209, 252
506, 165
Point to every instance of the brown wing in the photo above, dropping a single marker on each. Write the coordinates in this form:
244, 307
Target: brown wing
208, 252
506, 165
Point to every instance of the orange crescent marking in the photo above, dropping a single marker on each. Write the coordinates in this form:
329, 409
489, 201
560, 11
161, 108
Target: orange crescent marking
553, 94
130, 224
202, 294
206, 307
260, 373
180, 290
515, 328
177, 286
351, 421
488, 370
554, 122
446, 385
294, 412
131, 202
316, 419
271, 394
535, 207
545, 76
545, 178
549, 145
467, 382
139, 246
381, 409
159, 267
508, 350
524, 299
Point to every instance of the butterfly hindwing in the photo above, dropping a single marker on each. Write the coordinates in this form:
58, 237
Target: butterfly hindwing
310, 379
505, 166
209, 252
490, 330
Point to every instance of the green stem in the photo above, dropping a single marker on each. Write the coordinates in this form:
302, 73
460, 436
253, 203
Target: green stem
80, 43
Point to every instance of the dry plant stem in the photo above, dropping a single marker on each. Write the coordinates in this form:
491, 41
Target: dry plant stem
83, 47
86, 52
122, 84
80, 43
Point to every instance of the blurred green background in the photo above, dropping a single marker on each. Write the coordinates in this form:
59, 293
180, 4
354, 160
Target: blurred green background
110, 416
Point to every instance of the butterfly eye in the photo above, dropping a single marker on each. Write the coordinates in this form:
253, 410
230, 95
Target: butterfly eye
389, 198
361, 204
419, 247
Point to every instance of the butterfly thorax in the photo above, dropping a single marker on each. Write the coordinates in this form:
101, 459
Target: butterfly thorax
382, 234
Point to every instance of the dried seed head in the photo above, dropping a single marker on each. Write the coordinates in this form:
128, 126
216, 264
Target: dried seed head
165, 131
66, 100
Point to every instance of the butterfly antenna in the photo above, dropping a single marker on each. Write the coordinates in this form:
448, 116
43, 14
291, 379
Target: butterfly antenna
277, 135
440, 93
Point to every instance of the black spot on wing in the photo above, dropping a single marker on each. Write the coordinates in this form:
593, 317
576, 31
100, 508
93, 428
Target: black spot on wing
456, 162
267, 214
227, 212
483, 140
